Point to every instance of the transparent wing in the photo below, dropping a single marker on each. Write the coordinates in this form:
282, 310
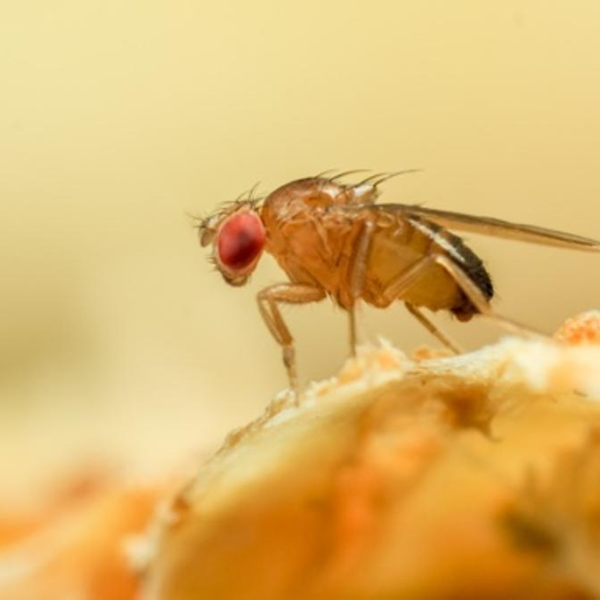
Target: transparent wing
497, 228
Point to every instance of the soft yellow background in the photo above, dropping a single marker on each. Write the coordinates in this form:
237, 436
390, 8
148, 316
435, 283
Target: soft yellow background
117, 118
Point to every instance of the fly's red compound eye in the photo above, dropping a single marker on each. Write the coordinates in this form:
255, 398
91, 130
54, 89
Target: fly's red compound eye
241, 240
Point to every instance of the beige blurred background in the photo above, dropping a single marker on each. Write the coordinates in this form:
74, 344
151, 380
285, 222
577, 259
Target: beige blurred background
117, 341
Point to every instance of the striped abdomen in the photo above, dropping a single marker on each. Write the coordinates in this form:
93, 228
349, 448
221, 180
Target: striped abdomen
399, 241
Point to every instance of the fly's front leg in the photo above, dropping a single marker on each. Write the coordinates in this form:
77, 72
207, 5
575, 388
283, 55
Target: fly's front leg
268, 300
357, 268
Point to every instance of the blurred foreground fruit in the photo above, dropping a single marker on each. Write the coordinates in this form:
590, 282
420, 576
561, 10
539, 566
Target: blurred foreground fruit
466, 477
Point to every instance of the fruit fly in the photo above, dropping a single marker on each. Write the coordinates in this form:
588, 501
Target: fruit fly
332, 239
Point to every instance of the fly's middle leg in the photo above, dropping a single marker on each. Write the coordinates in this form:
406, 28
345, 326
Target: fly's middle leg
268, 301
357, 268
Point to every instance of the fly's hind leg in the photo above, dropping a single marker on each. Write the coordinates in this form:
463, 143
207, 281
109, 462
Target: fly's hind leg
412, 275
268, 301
405, 281
481, 303
433, 329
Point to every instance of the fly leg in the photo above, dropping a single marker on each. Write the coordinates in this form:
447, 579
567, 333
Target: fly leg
412, 275
406, 280
358, 261
480, 301
352, 333
413, 310
268, 301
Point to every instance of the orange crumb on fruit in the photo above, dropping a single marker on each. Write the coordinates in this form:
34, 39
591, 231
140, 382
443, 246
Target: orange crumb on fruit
387, 360
351, 372
427, 353
581, 329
